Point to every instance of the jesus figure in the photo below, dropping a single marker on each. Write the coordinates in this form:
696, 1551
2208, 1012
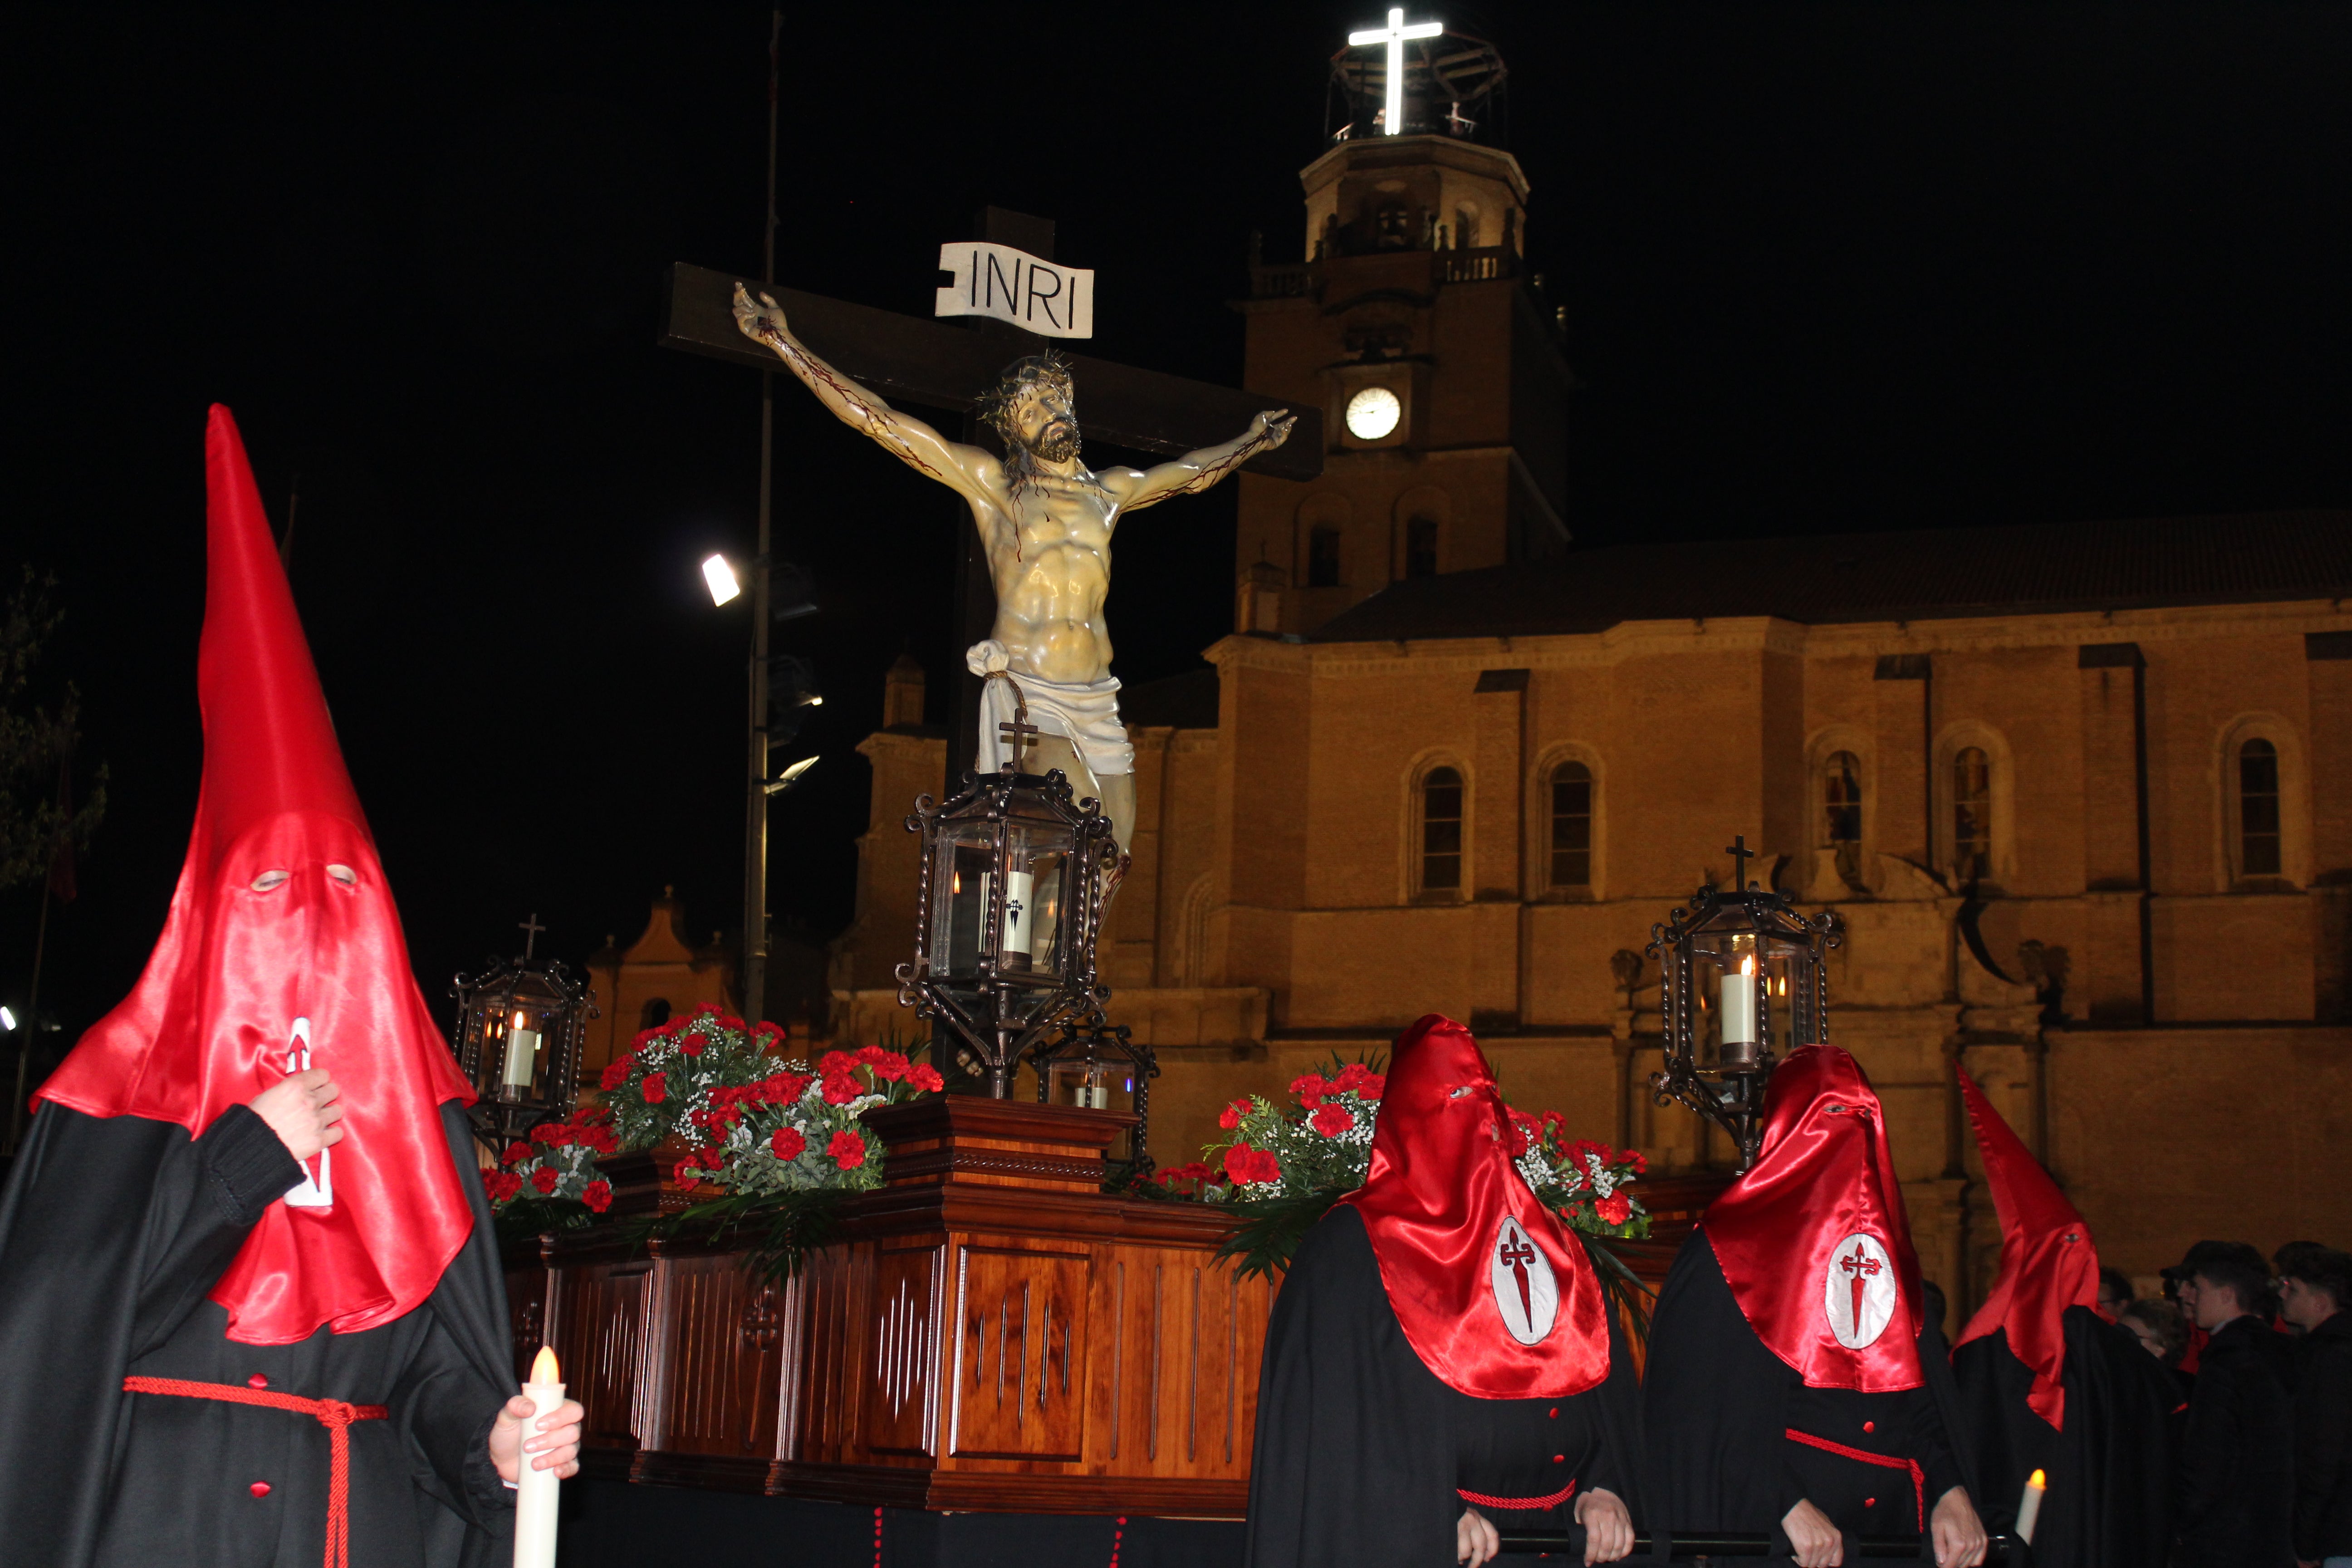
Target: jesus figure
1046, 521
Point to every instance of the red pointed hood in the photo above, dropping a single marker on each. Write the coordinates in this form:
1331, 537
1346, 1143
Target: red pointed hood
281, 914
1814, 1238
2048, 1261
1494, 1294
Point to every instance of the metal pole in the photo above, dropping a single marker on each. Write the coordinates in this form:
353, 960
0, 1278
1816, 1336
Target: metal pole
29, 1024
755, 796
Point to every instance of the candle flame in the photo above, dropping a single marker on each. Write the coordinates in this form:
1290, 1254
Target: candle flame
543, 1369
2036, 1482
518, 1023
1748, 965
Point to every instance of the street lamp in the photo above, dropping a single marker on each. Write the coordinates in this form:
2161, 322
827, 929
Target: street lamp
1742, 986
518, 1040
1008, 906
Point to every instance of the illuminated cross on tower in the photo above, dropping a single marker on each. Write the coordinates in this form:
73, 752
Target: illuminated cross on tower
1393, 35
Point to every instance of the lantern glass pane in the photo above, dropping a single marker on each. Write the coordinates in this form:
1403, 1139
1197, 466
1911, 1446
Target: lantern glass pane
962, 874
1039, 864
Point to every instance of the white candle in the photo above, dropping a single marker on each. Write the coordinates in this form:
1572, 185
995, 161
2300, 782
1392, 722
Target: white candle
534, 1537
2028, 1507
1012, 949
1739, 1006
522, 1055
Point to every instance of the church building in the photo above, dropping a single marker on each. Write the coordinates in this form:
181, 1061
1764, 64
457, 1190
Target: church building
2082, 794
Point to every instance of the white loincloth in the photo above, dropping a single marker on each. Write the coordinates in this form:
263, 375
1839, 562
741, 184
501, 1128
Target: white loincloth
1085, 713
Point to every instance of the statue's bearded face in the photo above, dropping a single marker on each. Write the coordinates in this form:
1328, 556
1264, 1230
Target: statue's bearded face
1043, 423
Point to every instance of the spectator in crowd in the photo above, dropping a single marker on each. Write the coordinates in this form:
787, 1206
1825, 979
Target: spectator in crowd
2314, 1284
2237, 1461
2115, 1293
2157, 1327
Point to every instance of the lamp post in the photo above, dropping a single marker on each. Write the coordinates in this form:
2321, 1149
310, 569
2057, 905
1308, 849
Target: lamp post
1008, 905
518, 1040
1742, 986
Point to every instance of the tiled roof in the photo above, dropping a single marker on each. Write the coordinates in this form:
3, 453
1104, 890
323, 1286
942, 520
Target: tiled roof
1921, 574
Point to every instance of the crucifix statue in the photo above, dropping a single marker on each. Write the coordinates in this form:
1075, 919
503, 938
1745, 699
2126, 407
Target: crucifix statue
1045, 522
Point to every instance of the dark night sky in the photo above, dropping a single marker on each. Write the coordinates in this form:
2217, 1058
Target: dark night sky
1824, 267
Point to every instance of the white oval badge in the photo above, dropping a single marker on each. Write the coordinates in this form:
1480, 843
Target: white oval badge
1858, 1290
1525, 1291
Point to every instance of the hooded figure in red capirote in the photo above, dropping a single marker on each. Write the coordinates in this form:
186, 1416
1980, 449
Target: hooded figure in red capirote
250, 1298
1799, 1383
2045, 1383
1441, 1363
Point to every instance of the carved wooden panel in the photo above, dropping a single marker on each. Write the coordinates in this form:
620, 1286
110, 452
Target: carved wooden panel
1021, 1354
725, 1340
1175, 1387
600, 1311
901, 1390
835, 1287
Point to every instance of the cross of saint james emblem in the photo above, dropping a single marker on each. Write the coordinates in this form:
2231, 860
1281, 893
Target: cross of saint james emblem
1525, 1293
1858, 1291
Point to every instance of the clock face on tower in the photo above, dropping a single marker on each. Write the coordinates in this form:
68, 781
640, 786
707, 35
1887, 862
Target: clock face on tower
1372, 412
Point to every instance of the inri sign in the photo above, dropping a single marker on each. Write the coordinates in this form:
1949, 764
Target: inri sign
1014, 286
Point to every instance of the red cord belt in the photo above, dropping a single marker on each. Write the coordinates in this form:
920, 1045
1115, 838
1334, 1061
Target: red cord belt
334, 1415
1918, 1476
1480, 1500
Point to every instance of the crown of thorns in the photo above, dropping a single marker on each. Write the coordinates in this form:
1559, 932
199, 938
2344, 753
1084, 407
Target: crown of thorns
1049, 370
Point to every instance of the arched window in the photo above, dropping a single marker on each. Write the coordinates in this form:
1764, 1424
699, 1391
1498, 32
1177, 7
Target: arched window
1842, 812
2258, 809
1971, 814
1441, 831
1323, 558
1572, 826
1421, 547
655, 1013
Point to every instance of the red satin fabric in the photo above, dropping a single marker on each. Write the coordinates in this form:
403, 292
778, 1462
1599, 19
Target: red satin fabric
1441, 1183
1822, 1176
2048, 1260
209, 1023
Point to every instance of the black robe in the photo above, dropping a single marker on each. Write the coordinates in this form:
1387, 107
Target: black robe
2109, 1503
2237, 1457
1364, 1456
1718, 1406
112, 1230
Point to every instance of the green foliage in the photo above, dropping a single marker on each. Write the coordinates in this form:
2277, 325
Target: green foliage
1270, 1229
34, 742
779, 1230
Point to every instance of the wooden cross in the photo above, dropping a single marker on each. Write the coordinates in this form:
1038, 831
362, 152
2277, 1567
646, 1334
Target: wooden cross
1740, 854
1019, 735
531, 930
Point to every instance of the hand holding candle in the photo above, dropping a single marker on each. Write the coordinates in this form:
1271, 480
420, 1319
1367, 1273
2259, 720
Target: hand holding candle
534, 1442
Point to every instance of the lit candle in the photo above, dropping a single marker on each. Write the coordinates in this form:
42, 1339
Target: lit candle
534, 1537
1739, 1008
2028, 1507
1012, 949
522, 1055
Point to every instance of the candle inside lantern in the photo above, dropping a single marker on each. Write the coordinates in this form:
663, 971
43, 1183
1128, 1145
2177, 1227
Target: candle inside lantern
2029, 1506
522, 1055
1012, 949
1740, 1009
534, 1537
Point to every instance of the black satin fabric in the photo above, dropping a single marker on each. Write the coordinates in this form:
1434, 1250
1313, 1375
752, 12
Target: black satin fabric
112, 1231
1717, 1405
2108, 1503
1362, 1452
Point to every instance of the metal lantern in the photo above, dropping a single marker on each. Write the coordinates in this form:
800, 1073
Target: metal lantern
1742, 986
521, 1026
1095, 1066
1010, 901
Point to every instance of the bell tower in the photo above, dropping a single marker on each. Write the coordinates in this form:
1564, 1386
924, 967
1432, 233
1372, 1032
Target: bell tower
1413, 320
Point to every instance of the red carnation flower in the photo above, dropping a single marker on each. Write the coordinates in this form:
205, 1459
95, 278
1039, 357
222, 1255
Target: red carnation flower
501, 1186
656, 1088
926, 1077
1351, 1077
788, 1144
1332, 1120
545, 1178
1614, 1209
786, 1086
692, 1045
615, 1075
516, 1155
847, 1149
645, 1037
602, 1140
728, 1021
767, 1031
833, 1063
1309, 1088
597, 1195
840, 1089
1374, 1086
1248, 1165
1231, 1117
